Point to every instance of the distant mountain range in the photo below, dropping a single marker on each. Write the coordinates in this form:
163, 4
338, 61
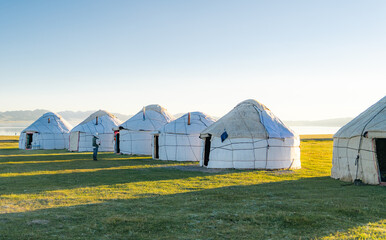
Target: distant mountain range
74, 117
21, 115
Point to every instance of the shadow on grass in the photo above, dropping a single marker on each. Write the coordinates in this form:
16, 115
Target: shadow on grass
31, 155
12, 151
79, 163
102, 176
47, 174
9, 154
306, 208
55, 160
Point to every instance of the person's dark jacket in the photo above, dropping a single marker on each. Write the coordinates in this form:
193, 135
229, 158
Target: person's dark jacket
94, 143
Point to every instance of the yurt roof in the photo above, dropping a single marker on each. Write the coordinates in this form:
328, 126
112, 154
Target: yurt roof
150, 118
250, 119
372, 119
106, 122
56, 124
198, 122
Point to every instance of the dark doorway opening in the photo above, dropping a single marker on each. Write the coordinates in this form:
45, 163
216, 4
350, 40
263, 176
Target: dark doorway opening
28, 141
117, 142
380, 145
207, 150
156, 147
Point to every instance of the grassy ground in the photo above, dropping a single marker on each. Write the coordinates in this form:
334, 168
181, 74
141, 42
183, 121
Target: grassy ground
62, 195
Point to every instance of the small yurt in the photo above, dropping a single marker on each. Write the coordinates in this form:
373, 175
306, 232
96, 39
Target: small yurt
50, 131
135, 135
100, 122
250, 137
360, 147
179, 140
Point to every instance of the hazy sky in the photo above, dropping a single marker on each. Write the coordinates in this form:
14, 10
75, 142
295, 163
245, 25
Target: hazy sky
302, 59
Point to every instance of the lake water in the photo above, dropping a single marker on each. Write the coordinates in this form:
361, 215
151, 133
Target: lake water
12, 131
305, 130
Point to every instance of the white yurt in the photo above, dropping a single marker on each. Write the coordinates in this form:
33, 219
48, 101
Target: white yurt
250, 137
101, 122
135, 135
179, 140
360, 147
50, 131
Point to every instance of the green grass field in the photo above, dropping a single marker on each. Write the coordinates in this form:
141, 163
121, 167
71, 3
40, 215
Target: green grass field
62, 195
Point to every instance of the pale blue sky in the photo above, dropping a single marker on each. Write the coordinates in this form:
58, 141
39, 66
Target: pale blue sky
303, 59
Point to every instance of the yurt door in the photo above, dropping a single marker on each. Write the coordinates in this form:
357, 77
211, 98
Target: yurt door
207, 151
380, 145
117, 141
28, 142
156, 146
74, 141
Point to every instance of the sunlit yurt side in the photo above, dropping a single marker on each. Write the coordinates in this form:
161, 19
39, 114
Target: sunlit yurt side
250, 137
135, 135
50, 131
101, 122
360, 147
179, 140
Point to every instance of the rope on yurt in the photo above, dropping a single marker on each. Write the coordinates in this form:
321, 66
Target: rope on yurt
253, 141
230, 144
190, 143
187, 136
103, 127
360, 145
89, 129
131, 141
150, 120
202, 122
233, 162
351, 148
222, 147
348, 163
60, 129
176, 145
63, 134
266, 131
165, 145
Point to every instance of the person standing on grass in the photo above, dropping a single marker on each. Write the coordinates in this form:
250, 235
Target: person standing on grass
95, 144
